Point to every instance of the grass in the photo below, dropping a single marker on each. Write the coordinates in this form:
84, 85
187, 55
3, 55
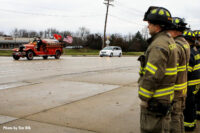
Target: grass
5, 52
93, 52
75, 52
133, 53
81, 52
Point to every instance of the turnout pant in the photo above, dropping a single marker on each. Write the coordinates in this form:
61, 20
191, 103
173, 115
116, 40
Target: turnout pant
177, 118
197, 99
190, 110
151, 122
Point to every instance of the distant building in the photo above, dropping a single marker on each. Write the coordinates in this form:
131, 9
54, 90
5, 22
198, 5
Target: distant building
10, 42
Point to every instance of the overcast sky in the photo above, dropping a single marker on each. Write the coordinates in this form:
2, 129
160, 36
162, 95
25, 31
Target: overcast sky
126, 16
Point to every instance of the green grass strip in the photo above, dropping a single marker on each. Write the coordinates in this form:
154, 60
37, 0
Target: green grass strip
75, 52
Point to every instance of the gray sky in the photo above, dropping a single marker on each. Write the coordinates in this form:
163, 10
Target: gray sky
125, 17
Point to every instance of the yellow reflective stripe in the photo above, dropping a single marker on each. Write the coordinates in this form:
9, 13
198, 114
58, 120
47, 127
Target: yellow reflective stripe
189, 68
198, 112
180, 86
164, 92
197, 57
196, 67
188, 124
181, 68
142, 70
171, 71
193, 82
146, 93
151, 68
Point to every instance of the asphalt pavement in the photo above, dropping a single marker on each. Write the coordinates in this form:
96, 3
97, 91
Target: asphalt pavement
69, 95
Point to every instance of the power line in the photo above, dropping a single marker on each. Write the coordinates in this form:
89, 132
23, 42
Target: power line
41, 14
127, 21
129, 8
127, 11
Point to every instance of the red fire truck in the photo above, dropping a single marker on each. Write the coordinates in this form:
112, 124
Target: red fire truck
49, 47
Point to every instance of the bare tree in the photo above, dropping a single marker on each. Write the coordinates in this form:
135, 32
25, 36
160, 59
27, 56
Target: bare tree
83, 32
128, 37
66, 33
15, 32
145, 32
1, 33
23, 33
49, 32
41, 33
32, 33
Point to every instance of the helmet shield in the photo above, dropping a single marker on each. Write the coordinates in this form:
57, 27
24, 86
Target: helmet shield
197, 34
148, 12
189, 35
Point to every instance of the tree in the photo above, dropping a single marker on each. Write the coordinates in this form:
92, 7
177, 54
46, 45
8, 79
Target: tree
83, 32
66, 33
41, 33
116, 40
15, 33
49, 32
1, 33
33, 34
145, 32
23, 33
94, 41
140, 43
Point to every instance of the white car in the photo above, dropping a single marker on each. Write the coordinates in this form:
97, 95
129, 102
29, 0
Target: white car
111, 51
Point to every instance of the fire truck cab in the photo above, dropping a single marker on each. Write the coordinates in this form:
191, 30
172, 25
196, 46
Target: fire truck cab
49, 47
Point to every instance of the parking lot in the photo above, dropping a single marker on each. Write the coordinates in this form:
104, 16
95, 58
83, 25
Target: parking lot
69, 95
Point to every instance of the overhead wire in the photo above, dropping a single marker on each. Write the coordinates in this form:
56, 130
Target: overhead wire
41, 14
126, 20
53, 15
129, 10
121, 5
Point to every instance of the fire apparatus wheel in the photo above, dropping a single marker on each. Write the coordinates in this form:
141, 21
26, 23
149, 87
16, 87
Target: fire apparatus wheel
45, 57
29, 55
58, 54
15, 57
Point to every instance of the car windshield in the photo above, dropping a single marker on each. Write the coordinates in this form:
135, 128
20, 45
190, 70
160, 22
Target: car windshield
107, 48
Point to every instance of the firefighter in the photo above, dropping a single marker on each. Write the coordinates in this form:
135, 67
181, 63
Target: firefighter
158, 73
193, 83
39, 43
197, 97
183, 48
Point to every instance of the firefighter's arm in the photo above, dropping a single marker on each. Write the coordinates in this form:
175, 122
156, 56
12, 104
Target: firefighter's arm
191, 63
154, 72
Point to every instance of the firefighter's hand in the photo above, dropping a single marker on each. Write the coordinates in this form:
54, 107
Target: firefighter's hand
141, 58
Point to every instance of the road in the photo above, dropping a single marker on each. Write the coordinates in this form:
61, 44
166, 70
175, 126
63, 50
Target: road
69, 95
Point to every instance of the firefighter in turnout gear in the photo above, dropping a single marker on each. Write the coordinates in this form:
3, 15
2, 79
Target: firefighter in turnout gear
197, 97
158, 73
183, 48
193, 83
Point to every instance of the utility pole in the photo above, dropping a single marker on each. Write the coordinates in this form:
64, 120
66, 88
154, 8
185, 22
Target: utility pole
106, 2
